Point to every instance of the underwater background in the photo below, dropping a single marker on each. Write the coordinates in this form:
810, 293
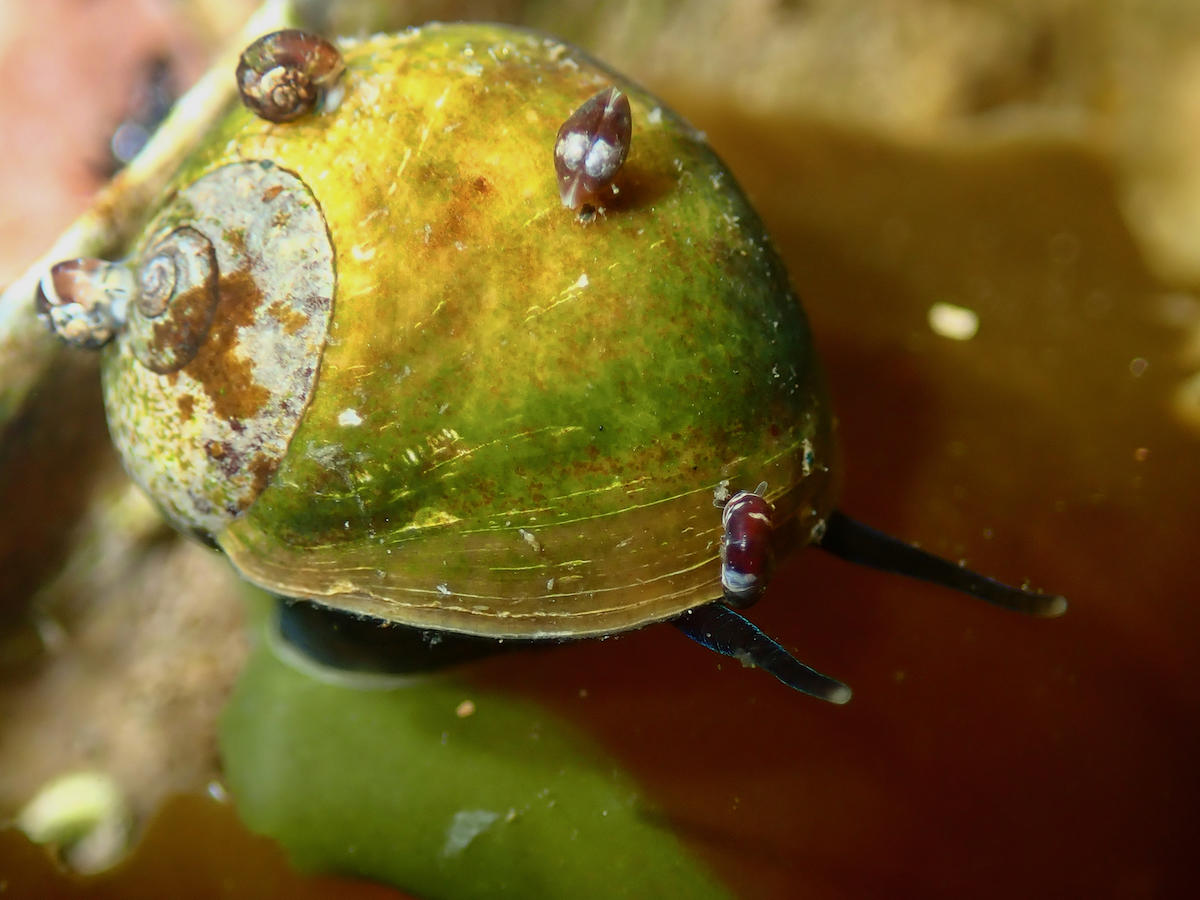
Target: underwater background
991, 212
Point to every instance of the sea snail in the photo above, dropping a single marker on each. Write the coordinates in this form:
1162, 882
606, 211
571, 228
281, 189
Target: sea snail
745, 545
283, 75
367, 353
591, 147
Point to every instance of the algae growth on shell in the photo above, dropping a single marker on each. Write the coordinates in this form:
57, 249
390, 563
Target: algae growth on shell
495, 367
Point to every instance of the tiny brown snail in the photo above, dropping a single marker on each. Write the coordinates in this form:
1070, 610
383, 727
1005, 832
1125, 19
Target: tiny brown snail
367, 357
591, 147
84, 301
282, 75
745, 545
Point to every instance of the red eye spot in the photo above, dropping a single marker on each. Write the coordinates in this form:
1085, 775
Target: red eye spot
591, 147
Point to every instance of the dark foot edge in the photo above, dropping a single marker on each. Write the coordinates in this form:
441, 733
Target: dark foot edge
352, 643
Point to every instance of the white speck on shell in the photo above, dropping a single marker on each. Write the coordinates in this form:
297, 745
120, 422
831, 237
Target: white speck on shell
466, 825
572, 147
531, 539
954, 322
333, 97
349, 417
601, 159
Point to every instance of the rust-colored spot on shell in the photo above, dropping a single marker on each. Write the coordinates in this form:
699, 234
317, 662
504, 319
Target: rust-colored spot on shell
216, 449
183, 331
187, 406
262, 468
272, 192
224, 374
236, 239
460, 210
291, 320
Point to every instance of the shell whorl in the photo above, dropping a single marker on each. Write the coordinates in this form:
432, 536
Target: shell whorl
177, 297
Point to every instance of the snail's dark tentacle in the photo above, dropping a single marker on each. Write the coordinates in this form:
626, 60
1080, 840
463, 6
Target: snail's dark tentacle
859, 543
729, 633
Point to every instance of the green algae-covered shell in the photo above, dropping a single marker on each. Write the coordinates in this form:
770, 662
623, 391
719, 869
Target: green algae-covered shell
431, 394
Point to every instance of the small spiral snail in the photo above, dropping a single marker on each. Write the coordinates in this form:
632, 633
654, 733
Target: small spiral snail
177, 298
391, 387
282, 75
84, 300
165, 305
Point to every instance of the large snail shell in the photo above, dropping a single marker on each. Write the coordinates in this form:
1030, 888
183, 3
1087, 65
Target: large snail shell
508, 423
